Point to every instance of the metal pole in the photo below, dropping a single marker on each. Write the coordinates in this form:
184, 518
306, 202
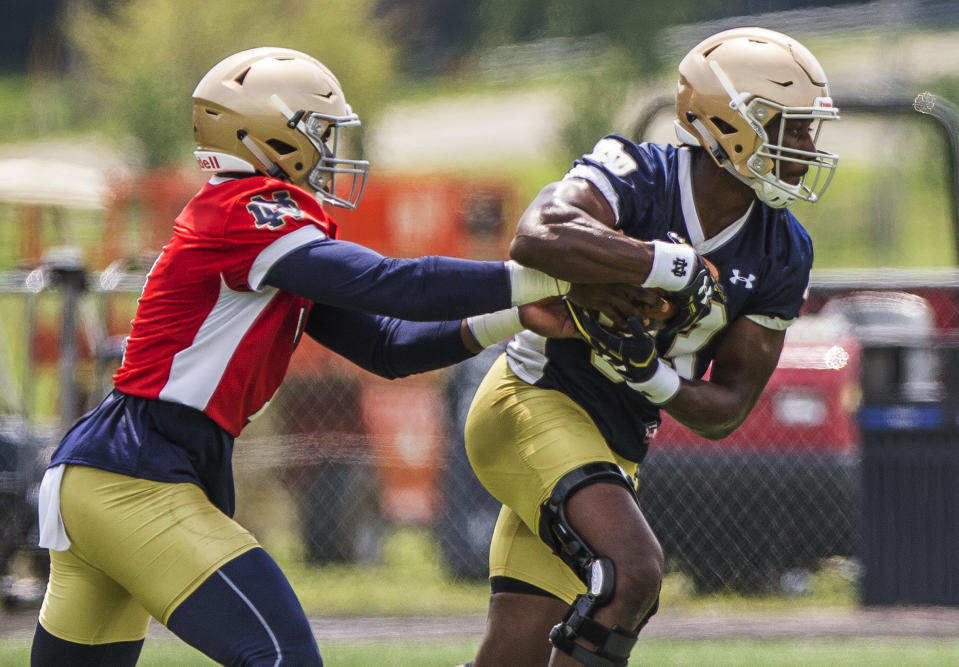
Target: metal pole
66, 269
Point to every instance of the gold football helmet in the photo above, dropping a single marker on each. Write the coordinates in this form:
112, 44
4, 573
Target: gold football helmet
732, 86
278, 112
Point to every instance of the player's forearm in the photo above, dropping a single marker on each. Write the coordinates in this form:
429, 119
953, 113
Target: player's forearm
417, 347
386, 346
582, 253
709, 410
568, 232
741, 368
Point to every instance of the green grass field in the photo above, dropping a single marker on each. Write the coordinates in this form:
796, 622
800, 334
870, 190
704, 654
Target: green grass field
715, 653
422, 586
410, 556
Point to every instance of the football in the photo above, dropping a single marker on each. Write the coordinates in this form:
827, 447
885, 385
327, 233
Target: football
657, 306
652, 305
656, 309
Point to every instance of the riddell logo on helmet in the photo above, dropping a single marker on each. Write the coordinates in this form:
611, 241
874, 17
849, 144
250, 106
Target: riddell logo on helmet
208, 162
822, 103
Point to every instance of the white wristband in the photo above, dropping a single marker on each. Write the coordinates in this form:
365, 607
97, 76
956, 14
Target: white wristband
528, 285
493, 327
661, 387
673, 265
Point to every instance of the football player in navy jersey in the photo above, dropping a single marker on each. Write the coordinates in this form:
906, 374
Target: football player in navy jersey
557, 428
136, 504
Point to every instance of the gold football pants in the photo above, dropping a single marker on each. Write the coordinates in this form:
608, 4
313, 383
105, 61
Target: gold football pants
138, 549
521, 440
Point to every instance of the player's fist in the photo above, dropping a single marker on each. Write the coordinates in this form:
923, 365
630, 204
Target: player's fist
693, 302
632, 354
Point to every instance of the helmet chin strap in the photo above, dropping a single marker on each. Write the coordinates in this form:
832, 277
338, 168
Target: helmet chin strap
272, 168
767, 193
771, 195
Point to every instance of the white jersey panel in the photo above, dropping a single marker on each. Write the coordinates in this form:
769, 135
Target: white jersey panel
279, 249
197, 370
526, 354
600, 180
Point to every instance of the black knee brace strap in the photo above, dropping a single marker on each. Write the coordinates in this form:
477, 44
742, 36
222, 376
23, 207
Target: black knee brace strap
613, 645
555, 530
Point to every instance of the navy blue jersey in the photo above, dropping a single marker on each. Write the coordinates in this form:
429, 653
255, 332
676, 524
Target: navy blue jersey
763, 260
153, 439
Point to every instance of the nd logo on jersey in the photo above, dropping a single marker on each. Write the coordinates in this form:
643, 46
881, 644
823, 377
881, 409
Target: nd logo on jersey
269, 212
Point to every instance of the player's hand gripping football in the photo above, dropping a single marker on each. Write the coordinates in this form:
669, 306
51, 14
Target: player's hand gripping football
633, 355
613, 304
694, 301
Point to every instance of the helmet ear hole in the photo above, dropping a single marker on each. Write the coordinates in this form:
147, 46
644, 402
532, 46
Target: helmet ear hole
723, 126
281, 147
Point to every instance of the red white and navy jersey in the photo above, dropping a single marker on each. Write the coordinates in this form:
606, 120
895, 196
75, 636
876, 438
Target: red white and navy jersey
208, 333
763, 259
251, 265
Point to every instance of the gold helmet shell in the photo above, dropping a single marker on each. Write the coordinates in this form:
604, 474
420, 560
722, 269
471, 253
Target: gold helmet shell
279, 112
732, 85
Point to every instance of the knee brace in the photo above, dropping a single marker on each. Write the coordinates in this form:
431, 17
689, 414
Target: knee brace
612, 645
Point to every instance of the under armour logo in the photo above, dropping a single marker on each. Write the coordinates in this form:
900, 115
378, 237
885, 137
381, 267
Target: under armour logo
738, 278
679, 267
271, 212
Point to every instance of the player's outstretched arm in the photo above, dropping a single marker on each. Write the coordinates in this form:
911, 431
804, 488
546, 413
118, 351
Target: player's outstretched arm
393, 348
348, 275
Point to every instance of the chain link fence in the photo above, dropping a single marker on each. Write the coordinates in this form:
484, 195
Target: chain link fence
758, 512
340, 458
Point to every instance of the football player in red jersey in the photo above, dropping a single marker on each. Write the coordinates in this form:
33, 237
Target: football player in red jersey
558, 427
137, 502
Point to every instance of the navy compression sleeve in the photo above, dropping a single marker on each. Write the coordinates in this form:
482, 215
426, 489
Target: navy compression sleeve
389, 347
344, 274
